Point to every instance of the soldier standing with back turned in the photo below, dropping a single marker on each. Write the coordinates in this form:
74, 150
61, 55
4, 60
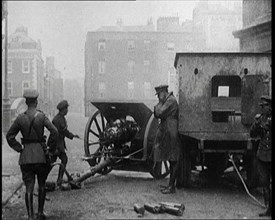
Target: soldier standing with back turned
167, 142
262, 128
60, 123
32, 158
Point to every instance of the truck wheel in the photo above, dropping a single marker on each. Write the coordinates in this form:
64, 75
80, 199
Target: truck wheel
184, 169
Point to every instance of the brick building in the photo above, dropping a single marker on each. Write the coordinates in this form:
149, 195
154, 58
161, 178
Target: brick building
25, 65
127, 62
26, 70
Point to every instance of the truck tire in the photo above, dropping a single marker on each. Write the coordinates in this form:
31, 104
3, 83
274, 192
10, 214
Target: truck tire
184, 168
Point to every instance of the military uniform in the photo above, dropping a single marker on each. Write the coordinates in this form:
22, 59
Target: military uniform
32, 158
167, 142
262, 128
60, 123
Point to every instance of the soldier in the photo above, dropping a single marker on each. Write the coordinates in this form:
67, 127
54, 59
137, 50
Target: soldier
32, 158
61, 124
262, 128
167, 143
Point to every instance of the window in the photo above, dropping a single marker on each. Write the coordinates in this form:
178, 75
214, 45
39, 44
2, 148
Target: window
130, 89
101, 89
131, 66
170, 46
10, 89
25, 85
147, 44
147, 89
146, 64
228, 86
101, 67
101, 45
131, 45
9, 66
25, 66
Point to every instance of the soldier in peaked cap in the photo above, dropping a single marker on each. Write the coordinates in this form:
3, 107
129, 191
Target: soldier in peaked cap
32, 158
262, 128
61, 124
167, 143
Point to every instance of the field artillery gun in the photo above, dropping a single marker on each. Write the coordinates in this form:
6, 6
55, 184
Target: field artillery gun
120, 135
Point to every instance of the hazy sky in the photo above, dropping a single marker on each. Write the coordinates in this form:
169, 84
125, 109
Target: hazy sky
62, 25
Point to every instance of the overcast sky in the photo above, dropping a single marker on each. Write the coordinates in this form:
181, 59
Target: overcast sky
62, 25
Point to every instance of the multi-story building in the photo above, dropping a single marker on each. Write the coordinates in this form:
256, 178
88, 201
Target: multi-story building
73, 92
54, 85
26, 70
25, 65
127, 62
255, 35
213, 23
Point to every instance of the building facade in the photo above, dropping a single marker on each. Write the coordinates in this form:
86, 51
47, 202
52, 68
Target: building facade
213, 23
255, 35
127, 62
54, 86
26, 70
25, 65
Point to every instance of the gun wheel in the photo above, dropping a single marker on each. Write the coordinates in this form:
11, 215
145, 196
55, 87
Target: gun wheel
93, 133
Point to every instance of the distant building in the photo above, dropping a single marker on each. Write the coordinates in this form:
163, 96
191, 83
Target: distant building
213, 24
73, 92
127, 62
54, 88
255, 35
25, 65
27, 70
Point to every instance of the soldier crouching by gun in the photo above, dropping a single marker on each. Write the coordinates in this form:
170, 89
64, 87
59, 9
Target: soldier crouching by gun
262, 128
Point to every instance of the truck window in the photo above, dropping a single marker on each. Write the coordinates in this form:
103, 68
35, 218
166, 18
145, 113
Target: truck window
228, 86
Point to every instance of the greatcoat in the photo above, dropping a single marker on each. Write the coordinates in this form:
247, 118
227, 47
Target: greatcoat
167, 142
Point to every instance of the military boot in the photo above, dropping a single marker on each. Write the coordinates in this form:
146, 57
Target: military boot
268, 200
41, 202
29, 205
172, 182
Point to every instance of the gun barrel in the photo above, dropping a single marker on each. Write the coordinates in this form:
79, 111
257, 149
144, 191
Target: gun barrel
92, 171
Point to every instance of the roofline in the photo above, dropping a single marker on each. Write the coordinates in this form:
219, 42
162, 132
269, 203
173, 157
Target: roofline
217, 53
141, 32
245, 30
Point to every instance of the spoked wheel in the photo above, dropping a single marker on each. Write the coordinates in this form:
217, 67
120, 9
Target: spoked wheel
93, 133
158, 170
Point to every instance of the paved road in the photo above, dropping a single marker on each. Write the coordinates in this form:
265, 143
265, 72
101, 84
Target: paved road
113, 195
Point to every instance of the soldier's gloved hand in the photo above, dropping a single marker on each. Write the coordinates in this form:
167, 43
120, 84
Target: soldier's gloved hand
76, 136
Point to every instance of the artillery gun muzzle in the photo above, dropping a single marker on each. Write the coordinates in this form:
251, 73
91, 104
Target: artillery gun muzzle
91, 172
